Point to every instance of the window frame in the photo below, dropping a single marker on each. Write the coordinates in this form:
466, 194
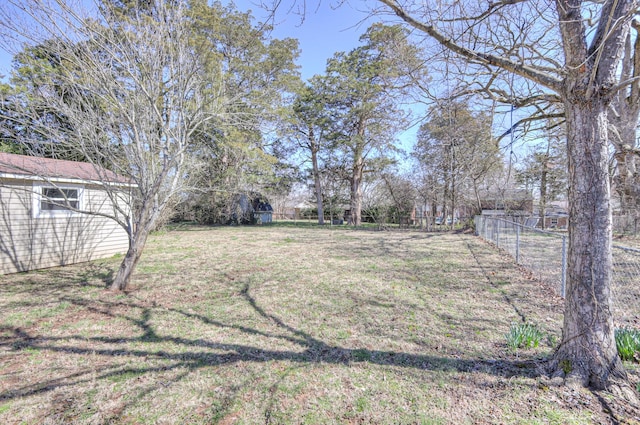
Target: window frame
39, 197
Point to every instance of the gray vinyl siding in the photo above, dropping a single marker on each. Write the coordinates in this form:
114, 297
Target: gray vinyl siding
28, 242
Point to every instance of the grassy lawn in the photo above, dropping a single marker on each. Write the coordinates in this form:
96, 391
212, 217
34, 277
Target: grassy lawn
294, 325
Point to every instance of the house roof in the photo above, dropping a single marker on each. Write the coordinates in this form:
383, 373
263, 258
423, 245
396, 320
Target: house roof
506, 195
47, 168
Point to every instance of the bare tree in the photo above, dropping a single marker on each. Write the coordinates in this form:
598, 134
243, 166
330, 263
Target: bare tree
581, 73
544, 170
623, 117
428, 191
133, 91
376, 202
402, 194
457, 145
308, 128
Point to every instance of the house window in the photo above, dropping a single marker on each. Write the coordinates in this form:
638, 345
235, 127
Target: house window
57, 200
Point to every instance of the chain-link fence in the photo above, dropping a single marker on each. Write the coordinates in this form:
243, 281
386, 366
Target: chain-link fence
545, 255
424, 223
626, 284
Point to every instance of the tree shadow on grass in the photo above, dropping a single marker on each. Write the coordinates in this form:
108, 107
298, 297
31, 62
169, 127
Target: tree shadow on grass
186, 355
59, 280
189, 354
199, 353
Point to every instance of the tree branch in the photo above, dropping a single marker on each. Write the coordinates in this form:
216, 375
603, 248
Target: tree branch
531, 118
542, 78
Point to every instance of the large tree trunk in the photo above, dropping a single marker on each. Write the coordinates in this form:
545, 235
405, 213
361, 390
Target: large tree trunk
588, 351
121, 281
357, 175
356, 192
316, 178
543, 187
138, 234
453, 186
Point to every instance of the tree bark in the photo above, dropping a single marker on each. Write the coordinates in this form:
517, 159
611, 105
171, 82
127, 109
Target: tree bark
131, 258
358, 173
588, 351
138, 234
356, 192
446, 186
316, 175
543, 187
454, 170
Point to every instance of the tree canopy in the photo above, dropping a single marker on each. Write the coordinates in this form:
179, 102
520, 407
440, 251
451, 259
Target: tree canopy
155, 92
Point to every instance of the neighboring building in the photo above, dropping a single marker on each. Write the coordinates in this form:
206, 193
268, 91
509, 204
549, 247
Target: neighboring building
515, 204
509, 202
556, 220
295, 209
262, 210
251, 208
38, 225
518, 205
556, 216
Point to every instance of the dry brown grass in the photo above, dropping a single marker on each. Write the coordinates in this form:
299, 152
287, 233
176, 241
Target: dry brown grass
274, 325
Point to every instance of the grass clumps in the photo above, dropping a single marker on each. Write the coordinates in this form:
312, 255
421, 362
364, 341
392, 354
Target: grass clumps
249, 326
628, 343
523, 335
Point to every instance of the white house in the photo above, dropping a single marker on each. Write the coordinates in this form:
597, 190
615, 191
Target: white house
50, 213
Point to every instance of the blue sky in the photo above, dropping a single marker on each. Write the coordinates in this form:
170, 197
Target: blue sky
5, 62
324, 31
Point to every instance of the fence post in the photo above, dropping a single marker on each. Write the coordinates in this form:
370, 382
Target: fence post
484, 227
497, 233
563, 284
517, 244
493, 230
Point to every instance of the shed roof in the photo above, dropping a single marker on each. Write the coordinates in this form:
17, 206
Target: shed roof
506, 195
47, 168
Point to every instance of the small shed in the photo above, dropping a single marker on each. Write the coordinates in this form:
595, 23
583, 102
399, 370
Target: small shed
251, 208
556, 220
509, 201
50, 213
